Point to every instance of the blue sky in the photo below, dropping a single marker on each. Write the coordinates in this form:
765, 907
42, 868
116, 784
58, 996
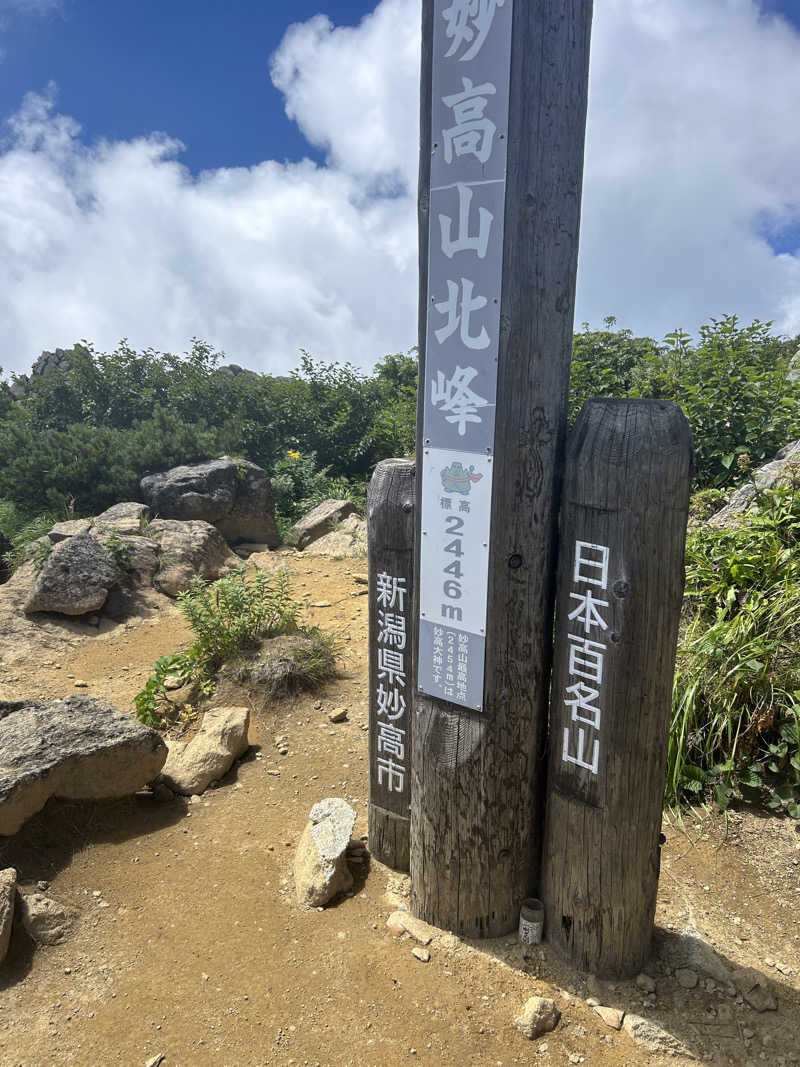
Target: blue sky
245, 172
197, 70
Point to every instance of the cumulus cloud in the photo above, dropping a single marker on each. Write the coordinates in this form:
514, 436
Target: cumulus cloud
693, 160
693, 157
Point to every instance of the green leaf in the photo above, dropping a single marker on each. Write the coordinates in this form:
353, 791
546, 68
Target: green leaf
750, 777
750, 793
785, 793
722, 796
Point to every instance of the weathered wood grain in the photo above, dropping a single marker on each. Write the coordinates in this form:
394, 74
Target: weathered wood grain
477, 789
391, 519
626, 488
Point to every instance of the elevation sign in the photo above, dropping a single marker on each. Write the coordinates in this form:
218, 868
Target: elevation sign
471, 76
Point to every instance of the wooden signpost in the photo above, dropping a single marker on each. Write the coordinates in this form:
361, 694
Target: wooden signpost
504, 88
620, 586
390, 528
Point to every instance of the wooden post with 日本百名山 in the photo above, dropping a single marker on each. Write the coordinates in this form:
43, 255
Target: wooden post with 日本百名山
390, 528
620, 588
504, 94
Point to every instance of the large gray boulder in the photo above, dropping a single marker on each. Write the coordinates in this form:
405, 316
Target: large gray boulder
778, 470
78, 749
232, 494
320, 521
188, 549
74, 578
321, 871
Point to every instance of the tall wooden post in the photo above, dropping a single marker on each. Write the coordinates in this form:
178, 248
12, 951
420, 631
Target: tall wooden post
390, 532
498, 253
620, 587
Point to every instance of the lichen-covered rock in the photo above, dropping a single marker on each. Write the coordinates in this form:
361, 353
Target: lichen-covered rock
188, 549
8, 895
231, 494
71, 528
320, 865
139, 557
346, 541
319, 521
192, 766
46, 921
779, 470
75, 578
539, 1016
77, 748
128, 517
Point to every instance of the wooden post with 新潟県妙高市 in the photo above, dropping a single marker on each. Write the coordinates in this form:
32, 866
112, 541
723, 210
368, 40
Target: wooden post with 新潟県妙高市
620, 590
504, 93
390, 531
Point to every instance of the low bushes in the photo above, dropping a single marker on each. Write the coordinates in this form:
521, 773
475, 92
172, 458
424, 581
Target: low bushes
736, 711
228, 617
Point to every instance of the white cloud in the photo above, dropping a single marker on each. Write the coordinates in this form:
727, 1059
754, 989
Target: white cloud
693, 152
32, 7
691, 145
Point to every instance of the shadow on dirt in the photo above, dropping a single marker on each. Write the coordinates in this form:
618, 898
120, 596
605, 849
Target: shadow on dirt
50, 841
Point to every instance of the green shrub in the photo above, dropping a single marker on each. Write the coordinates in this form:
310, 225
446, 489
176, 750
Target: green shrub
150, 701
228, 617
607, 363
22, 531
231, 614
299, 485
736, 708
734, 389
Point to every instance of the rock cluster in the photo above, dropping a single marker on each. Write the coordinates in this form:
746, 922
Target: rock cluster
58, 360
90, 565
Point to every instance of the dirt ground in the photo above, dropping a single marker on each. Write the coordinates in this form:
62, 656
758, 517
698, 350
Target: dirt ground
189, 942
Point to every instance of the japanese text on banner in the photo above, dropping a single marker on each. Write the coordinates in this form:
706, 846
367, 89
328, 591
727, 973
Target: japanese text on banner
392, 762
583, 694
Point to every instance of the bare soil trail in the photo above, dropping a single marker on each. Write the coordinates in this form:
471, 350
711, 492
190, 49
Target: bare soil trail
189, 942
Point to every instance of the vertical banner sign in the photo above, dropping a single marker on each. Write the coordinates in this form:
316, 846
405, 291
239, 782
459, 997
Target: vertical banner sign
471, 81
391, 521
